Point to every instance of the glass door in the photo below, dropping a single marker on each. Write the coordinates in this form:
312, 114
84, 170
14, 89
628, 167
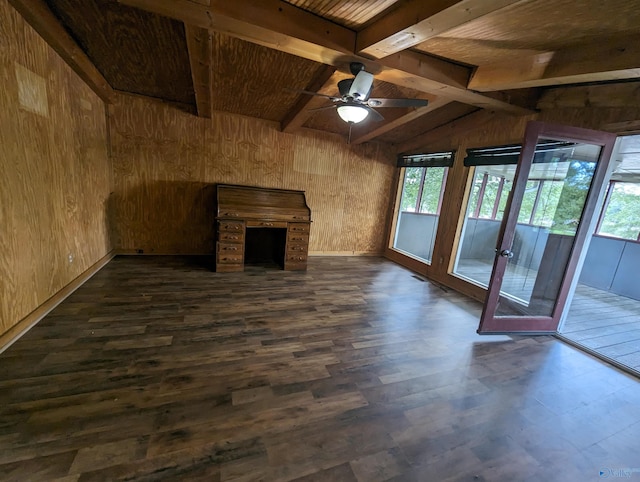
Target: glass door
528, 290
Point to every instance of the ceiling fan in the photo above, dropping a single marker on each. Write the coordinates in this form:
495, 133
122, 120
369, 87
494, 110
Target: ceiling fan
355, 104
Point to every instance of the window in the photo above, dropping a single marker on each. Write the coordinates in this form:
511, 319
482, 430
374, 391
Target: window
422, 187
411, 188
621, 212
433, 182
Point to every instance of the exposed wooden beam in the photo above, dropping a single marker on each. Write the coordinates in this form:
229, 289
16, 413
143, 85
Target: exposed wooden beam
199, 46
189, 108
43, 21
271, 23
416, 21
399, 122
281, 26
456, 127
441, 78
299, 113
617, 60
624, 127
623, 94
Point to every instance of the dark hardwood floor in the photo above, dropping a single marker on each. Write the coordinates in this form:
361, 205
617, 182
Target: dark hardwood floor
356, 370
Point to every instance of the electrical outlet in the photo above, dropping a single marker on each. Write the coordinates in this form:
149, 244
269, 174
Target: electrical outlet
70, 257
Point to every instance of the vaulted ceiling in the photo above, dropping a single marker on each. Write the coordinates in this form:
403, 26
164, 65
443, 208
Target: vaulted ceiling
254, 57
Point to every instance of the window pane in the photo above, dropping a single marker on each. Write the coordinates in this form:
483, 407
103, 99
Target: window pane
506, 190
489, 198
476, 251
416, 231
431, 190
411, 185
475, 192
528, 201
549, 198
622, 217
572, 198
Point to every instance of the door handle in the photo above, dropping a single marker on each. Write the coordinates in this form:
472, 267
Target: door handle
505, 253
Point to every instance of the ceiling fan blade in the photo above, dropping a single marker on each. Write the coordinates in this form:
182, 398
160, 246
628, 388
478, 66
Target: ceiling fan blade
344, 86
397, 102
309, 92
374, 115
361, 86
322, 108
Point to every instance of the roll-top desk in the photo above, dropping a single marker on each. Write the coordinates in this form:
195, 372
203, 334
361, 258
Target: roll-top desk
242, 208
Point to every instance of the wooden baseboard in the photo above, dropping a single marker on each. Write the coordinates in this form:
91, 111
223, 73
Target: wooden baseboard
137, 252
133, 252
344, 253
16, 331
463, 287
408, 262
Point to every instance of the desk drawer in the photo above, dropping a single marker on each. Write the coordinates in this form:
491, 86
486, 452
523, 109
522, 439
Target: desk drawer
297, 248
298, 228
298, 238
229, 258
296, 258
230, 236
266, 224
231, 226
229, 248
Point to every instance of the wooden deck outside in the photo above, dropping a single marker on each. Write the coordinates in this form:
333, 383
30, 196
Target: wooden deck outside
356, 370
606, 323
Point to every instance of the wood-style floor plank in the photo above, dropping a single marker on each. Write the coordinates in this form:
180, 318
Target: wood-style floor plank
160, 369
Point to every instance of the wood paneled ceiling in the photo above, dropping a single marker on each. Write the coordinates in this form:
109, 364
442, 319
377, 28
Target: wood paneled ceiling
136, 51
253, 58
353, 14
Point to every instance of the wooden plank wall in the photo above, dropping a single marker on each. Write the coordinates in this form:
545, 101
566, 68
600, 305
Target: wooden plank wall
166, 162
594, 107
55, 173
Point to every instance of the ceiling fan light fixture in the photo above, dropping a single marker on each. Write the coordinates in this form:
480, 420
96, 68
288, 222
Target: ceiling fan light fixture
352, 113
